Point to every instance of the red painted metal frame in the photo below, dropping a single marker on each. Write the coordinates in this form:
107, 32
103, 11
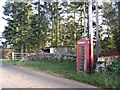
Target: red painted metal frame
79, 44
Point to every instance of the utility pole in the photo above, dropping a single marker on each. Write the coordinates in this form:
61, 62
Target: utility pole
97, 33
91, 35
84, 37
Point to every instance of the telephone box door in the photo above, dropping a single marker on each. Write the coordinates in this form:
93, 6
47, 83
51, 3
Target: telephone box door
82, 60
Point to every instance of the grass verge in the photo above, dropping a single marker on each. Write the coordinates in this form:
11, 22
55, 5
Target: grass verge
68, 70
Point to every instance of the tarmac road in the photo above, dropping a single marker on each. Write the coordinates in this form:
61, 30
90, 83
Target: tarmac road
19, 77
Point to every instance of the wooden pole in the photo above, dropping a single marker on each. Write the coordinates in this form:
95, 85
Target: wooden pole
97, 33
91, 35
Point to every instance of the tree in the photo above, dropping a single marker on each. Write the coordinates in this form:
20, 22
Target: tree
50, 24
39, 24
109, 20
117, 30
18, 23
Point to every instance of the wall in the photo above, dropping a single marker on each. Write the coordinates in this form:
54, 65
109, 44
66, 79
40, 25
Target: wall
7, 53
61, 50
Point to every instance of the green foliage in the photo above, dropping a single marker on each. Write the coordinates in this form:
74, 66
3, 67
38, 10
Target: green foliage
36, 25
46, 26
114, 68
18, 28
117, 31
111, 21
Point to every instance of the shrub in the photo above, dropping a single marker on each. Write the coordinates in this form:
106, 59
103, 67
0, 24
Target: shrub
114, 68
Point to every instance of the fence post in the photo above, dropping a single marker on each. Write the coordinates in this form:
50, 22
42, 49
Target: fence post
12, 55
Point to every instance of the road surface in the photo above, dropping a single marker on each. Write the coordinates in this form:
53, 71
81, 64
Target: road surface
19, 77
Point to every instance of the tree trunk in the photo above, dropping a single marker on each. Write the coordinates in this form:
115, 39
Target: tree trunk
22, 49
52, 41
57, 26
39, 34
74, 23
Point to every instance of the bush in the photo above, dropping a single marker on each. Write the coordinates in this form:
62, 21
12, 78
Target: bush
114, 68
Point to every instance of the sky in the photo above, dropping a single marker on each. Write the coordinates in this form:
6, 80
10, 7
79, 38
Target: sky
3, 23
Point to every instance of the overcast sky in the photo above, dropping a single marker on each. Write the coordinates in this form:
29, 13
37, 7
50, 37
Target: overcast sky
2, 21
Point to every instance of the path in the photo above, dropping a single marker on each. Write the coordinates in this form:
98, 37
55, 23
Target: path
19, 77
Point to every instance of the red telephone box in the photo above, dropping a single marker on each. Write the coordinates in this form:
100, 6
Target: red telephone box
82, 53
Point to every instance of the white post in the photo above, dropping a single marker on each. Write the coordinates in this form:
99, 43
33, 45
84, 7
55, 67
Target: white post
12, 55
51, 50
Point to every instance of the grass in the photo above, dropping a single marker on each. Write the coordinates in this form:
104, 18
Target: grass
0, 60
68, 70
